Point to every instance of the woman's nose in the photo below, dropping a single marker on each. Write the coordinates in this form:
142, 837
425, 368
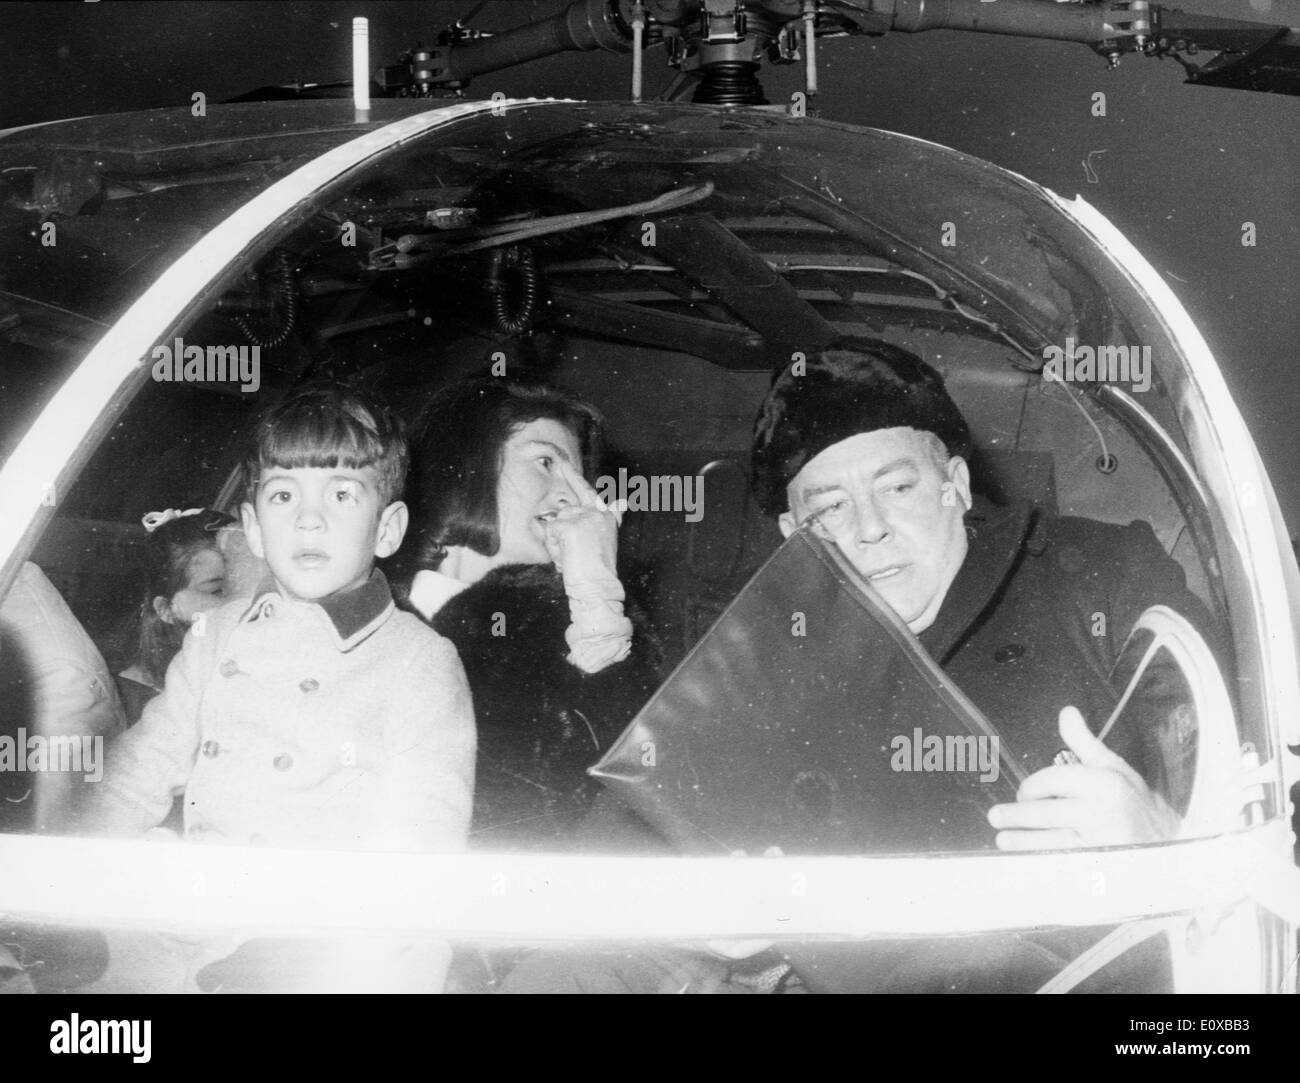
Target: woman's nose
562, 492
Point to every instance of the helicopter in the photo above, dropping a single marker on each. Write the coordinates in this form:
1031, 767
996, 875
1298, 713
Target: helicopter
662, 257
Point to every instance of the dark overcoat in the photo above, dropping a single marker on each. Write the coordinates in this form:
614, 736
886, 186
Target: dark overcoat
1038, 614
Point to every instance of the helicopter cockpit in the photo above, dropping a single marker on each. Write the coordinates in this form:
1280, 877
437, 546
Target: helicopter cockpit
663, 262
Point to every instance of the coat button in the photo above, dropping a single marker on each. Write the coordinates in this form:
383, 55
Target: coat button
1009, 653
229, 667
210, 749
282, 762
309, 684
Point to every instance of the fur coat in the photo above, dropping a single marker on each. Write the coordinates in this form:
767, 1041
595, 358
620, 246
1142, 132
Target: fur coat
541, 721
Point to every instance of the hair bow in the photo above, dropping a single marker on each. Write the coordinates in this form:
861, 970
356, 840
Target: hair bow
154, 519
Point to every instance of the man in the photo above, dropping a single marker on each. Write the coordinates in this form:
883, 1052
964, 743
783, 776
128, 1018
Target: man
1024, 610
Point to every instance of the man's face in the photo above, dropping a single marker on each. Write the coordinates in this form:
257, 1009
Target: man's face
320, 528
884, 499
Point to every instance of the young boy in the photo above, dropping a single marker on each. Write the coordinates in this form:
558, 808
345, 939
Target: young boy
319, 715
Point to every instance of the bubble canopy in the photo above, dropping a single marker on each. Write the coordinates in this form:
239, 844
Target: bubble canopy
1086, 385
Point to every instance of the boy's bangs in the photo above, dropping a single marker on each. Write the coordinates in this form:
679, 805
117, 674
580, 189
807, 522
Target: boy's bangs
318, 442
324, 426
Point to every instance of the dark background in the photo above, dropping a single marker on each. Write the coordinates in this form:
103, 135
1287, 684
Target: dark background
1183, 166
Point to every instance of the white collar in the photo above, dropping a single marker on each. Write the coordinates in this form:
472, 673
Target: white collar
136, 673
431, 590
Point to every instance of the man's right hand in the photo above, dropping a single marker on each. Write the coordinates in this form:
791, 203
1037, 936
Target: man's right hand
1099, 801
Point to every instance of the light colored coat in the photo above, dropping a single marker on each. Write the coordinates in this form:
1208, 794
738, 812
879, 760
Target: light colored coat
285, 723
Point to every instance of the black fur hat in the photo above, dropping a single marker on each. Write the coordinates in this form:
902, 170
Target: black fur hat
853, 385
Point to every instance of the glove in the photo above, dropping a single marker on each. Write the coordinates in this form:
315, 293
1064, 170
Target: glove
583, 541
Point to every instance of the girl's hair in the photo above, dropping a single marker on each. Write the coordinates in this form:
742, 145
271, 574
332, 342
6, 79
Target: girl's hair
457, 453
328, 424
168, 552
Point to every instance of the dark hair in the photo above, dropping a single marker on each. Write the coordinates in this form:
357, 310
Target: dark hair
853, 385
458, 450
168, 552
325, 425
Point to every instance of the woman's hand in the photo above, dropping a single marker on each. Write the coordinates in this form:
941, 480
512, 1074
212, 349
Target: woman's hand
582, 539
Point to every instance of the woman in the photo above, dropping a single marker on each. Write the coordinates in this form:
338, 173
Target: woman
516, 566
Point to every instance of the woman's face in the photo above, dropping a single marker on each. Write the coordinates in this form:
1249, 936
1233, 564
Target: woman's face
531, 488
205, 588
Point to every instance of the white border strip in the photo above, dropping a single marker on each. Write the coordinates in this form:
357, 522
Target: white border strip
542, 896
27, 478
1247, 501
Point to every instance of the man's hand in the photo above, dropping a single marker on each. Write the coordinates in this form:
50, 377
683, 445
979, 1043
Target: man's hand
1100, 801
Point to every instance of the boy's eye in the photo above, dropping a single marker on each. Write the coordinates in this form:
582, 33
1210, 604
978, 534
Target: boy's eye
277, 496
345, 494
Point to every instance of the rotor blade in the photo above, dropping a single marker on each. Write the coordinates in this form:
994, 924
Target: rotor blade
1255, 55
582, 26
1273, 68
1211, 32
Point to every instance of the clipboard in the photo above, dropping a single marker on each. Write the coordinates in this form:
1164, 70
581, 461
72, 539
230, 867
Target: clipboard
809, 717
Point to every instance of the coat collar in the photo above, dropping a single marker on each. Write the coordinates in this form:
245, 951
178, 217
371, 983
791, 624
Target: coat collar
353, 616
998, 537
431, 590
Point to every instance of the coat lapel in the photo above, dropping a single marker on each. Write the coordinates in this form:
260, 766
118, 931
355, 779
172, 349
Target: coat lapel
996, 543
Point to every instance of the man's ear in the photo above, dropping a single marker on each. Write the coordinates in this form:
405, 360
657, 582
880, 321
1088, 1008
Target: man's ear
787, 522
392, 529
162, 605
959, 476
252, 531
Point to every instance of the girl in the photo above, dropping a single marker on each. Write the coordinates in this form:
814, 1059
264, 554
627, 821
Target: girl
184, 575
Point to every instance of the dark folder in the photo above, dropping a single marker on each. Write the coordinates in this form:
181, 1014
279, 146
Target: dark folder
810, 718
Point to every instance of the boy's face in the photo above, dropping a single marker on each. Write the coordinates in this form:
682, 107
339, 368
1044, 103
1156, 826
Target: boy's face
320, 528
